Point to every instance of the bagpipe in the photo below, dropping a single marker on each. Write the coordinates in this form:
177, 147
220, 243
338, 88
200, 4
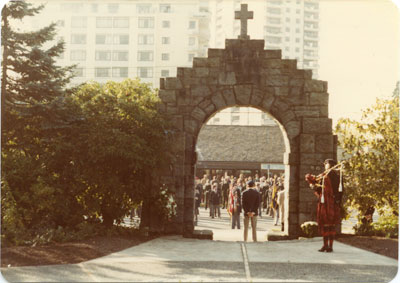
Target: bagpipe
314, 180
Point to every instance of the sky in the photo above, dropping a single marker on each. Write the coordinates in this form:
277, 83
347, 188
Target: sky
358, 52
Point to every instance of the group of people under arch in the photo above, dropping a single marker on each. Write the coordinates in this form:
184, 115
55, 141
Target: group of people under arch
226, 192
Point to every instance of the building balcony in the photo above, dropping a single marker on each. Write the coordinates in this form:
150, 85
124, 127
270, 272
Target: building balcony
274, 22
310, 48
311, 26
310, 56
272, 33
311, 17
311, 6
310, 36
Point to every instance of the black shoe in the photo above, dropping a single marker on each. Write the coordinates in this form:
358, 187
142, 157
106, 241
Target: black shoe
323, 249
329, 250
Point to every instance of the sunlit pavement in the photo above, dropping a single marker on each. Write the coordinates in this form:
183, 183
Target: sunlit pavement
222, 227
227, 258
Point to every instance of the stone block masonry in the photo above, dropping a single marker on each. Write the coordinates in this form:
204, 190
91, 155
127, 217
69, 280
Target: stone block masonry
244, 74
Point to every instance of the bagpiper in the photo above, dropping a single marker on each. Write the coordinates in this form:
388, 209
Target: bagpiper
328, 187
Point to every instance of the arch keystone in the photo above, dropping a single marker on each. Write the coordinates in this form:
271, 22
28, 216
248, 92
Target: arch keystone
243, 93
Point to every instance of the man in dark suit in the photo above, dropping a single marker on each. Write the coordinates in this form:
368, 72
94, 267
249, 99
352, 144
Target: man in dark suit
250, 204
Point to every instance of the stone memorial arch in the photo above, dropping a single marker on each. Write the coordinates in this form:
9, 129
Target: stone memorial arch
244, 74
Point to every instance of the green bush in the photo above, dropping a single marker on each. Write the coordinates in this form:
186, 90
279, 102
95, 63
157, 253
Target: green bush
364, 229
386, 226
309, 229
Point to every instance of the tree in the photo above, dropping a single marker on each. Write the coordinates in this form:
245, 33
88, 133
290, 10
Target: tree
372, 166
117, 146
33, 90
31, 81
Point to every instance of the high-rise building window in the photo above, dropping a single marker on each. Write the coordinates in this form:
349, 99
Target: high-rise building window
166, 24
146, 39
78, 22
145, 56
120, 72
297, 49
79, 72
165, 56
287, 9
143, 8
102, 72
78, 55
190, 57
287, 48
297, 30
78, 38
165, 40
287, 20
121, 39
298, 11
120, 55
273, 20
165, 8
95, 7
297, 40
192, 24
145, 72
146, 23
287, 38
71, 7
121, 22
113, 8
164, 73
274, 30
312, 34
104, 22
192, 41
104, 39
273, 39
276, 11
60, 23
103, 55
297, 21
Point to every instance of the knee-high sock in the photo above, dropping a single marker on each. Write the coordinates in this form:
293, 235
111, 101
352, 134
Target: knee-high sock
325, 241
331, 241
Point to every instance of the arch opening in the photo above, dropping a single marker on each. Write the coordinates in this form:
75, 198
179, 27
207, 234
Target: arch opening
240, 141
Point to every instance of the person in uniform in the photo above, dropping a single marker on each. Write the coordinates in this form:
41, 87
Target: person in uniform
328, 188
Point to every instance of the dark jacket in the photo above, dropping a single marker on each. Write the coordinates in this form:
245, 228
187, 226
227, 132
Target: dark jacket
197, 198
250, 201
215, 197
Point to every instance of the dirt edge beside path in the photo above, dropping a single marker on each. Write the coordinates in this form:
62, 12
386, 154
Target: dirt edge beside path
380, 245
64, 253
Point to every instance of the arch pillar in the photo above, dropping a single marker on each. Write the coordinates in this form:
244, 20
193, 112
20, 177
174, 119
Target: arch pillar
244, 74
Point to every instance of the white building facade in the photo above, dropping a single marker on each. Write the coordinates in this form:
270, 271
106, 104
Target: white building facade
114, 40
148, 39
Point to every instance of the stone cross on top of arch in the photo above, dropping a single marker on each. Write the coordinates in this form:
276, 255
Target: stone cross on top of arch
243, 15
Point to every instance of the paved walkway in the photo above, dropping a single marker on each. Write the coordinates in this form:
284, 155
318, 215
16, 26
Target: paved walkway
174, 258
